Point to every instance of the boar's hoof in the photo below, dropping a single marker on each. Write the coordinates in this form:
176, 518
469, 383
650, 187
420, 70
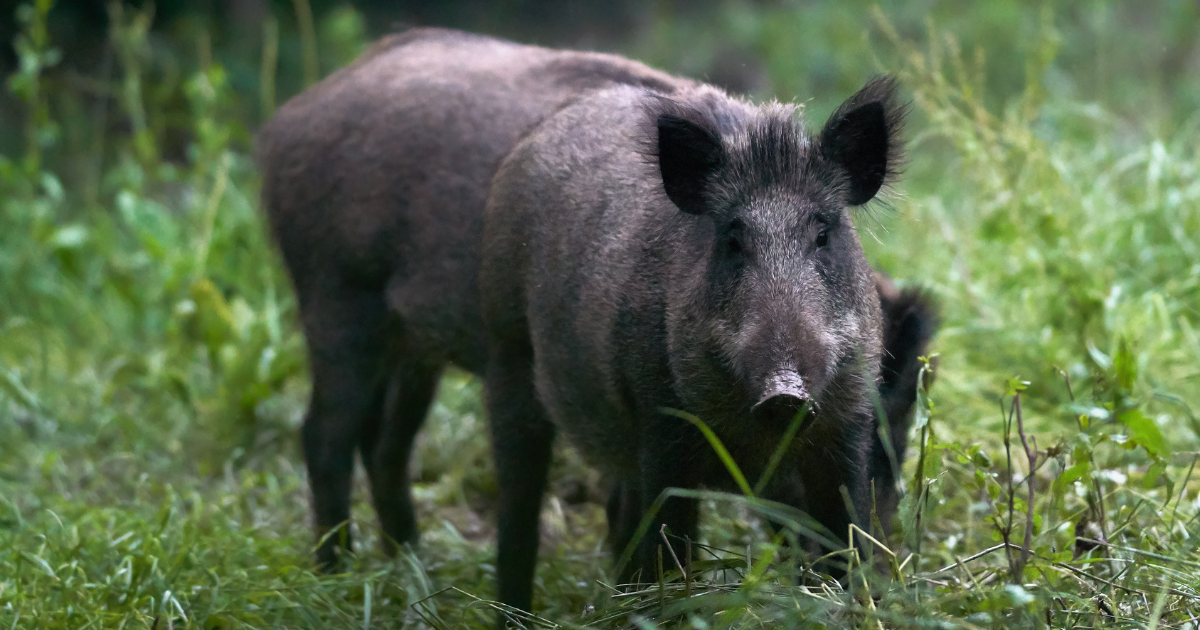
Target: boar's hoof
784, 397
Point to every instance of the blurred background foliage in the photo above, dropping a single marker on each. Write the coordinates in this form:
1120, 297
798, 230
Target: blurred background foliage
1134, 60
152, 375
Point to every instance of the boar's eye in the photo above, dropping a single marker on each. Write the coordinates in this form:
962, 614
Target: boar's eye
822, 238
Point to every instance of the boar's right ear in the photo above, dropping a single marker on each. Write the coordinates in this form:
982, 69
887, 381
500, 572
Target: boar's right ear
863, 138
688, 155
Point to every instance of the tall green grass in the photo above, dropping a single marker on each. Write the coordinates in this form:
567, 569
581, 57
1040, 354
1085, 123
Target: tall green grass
152, 375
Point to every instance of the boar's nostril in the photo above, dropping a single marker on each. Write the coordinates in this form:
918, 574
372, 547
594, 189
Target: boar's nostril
782, 399
778, 412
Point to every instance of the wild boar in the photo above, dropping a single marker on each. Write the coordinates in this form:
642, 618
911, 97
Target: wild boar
910, 318
691, 251
375, 182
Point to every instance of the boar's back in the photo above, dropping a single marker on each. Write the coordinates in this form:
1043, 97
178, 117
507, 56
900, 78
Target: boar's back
376, 178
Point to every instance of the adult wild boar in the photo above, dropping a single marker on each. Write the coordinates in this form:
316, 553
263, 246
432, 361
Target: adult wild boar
375, 183
689, 251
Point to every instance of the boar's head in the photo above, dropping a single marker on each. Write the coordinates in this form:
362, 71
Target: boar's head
771, 303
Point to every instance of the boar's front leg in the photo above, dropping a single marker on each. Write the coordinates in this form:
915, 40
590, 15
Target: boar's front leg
834, 487
666, 460
624, 512
522, 440
836, 484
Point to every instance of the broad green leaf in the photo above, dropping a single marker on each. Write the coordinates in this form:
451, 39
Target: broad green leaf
1073, 474
1153, 474
1143, 431
1014, 386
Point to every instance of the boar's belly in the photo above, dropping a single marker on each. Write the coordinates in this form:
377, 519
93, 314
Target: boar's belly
583, 403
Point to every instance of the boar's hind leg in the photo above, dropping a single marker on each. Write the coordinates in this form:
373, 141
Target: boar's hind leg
387, 444
522, 439
343, 328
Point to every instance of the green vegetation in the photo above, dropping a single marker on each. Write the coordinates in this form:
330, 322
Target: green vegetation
152, 374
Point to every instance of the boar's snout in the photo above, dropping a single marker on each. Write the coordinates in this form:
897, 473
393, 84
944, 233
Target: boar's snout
782, 398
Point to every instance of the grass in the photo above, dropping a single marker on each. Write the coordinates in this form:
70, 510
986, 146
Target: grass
152, 374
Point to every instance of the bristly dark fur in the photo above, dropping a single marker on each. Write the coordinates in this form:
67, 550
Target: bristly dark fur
762, 146
910, 319
766, 143
776, 147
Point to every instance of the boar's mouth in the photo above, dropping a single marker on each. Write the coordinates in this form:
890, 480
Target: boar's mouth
784, 396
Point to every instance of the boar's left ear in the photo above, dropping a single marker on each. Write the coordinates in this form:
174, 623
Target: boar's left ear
863, 138
689, 153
